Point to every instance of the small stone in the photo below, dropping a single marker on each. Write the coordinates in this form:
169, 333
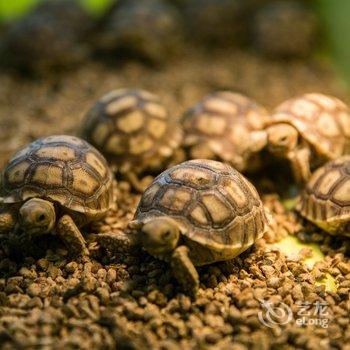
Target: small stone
34, 289
111, 276
27, 273
344, 267
234, 315
71, 267
267, 270
103, 295
274, 282
101, 274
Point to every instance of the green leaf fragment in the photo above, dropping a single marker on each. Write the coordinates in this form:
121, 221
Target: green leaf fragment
291, 247
289, 203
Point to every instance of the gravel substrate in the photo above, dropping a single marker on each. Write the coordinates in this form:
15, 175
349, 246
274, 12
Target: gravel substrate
51, 300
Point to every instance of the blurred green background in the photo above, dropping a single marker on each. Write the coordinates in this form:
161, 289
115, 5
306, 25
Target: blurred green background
334, 14
10, 9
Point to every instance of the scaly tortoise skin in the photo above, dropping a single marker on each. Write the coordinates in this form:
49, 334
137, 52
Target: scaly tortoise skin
133, 130
225, 126
196, 213
308, 131
326, 198
57, 176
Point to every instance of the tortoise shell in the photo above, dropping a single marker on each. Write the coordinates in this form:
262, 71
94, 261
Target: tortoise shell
219, 127
275, 21
132, 129
323, 121
214, 205
63, 169
64, 24
326, 198
150, 30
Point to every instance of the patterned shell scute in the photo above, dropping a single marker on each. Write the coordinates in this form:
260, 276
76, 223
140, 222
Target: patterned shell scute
220, 124
327, 194
215, 204
131, 125
64, 169
323, 121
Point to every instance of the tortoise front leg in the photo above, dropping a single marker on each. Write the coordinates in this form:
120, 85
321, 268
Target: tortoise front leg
71, 235
184, 270
8, 220
117, 242
300, 162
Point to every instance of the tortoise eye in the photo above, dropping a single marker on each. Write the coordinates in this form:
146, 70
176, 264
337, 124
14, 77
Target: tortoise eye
166, 234
41, 218
283, 139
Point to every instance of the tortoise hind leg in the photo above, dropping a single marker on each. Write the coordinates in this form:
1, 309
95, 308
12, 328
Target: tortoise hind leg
71, 235
7, 220
184, 270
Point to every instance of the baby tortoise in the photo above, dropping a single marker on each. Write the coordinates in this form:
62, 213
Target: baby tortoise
326, 198
217, 22
49, 37
146, 29
225, 126
285, 29
195, 213
308, 131
57, 183
134, 131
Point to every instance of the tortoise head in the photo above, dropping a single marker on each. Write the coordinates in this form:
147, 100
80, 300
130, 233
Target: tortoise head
160, 235
281, 138
37, 216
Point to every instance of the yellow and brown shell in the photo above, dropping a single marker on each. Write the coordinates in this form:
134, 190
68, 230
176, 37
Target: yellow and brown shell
326, 198
132, 129
63, 169
322, 120
220, 126
215, 206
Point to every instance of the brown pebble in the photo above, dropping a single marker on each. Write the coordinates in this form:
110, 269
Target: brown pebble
344, 268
